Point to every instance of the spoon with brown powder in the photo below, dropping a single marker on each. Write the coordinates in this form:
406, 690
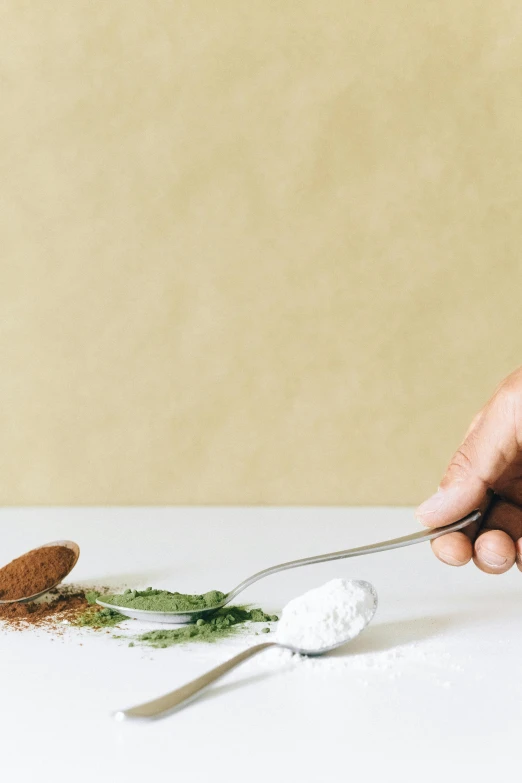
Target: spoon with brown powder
38, 571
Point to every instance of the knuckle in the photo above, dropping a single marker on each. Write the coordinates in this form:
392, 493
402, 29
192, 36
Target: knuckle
477, 418
461, 464
508, 397
506, 408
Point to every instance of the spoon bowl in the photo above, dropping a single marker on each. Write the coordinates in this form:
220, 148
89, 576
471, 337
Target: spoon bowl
177, 699
69, 545
370, 590
165, 618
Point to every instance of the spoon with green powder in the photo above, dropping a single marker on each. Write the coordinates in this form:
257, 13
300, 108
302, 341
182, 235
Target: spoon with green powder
180, 608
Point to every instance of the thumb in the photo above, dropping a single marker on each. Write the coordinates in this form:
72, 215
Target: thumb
489, 448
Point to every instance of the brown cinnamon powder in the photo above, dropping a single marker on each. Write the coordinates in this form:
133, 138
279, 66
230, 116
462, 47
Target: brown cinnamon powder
35, 572
67, 606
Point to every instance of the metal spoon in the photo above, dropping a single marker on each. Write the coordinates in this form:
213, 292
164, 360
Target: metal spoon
394, 543
177, 699
69, 545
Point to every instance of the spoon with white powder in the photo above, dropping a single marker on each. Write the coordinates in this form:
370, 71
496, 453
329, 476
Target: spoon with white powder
313, 624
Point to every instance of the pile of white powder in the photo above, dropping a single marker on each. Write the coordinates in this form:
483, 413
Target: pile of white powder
328, 615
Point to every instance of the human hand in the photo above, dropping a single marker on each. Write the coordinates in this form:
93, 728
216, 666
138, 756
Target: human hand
490, 458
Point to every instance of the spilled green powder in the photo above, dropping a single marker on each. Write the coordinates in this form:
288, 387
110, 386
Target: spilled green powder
226, 622
96, 617
163, 601
106, 618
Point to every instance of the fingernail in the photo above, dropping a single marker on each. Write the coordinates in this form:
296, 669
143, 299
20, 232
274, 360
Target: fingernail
449, 559
432, 505
490, 558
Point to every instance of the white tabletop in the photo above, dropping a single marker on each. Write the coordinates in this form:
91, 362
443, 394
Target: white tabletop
431, 691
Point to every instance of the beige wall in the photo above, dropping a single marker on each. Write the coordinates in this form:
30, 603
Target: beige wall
253, 252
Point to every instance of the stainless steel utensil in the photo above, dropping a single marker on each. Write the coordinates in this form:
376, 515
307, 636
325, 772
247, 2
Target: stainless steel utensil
177, 699
383, 546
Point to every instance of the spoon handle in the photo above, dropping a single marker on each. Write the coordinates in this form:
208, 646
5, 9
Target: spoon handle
382, 546
181, 696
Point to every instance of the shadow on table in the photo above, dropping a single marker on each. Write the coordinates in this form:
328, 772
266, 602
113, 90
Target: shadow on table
386, 636
129, 579
219, 690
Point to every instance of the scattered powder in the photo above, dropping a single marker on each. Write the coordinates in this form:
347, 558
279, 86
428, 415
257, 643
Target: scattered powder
43, 613
65, 605
389, 665
97, 617
338, 611
106, 618
35, 572
226, 622
70, 606
428, 657
164, 601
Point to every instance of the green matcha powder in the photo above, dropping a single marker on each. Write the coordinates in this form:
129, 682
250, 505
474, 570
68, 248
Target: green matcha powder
163, 601
96, 617
224, 622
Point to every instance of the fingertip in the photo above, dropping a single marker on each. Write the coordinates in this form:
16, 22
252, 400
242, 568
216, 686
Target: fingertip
450, 503
428, 513
454, 549
494, 552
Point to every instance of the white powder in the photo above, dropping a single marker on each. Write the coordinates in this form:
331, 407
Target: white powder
328, 615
